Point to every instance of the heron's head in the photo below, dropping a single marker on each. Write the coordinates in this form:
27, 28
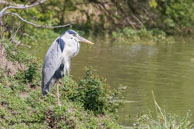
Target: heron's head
75, 36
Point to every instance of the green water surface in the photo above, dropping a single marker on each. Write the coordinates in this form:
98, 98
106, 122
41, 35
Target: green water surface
167, 68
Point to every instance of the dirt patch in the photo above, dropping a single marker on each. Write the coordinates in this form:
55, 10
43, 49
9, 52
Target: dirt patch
10, 67
24, 95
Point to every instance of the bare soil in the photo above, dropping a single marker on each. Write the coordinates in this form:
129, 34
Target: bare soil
10, 67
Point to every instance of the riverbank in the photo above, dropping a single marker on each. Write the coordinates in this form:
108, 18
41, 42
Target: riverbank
118, 36
23, 106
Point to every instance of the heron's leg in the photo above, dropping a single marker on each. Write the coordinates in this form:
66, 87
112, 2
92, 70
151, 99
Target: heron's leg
68, 73
58, 95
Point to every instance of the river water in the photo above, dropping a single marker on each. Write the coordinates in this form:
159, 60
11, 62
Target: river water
167, 68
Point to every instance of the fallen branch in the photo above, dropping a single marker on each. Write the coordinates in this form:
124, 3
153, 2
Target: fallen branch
138, 20
27, 35
24, 45
13, 36
18, 43
36, 25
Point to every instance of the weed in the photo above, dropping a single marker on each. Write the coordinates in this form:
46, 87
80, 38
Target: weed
129, 35
163, 120
94, 94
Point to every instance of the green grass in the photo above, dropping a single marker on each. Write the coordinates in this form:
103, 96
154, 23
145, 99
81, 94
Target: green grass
129, 35
86, 104
27, 108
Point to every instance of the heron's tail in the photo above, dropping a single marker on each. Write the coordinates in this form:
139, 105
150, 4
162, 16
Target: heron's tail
46, 87
45, 90
49, 81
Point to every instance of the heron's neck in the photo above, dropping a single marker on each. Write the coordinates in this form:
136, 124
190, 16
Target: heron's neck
77, 48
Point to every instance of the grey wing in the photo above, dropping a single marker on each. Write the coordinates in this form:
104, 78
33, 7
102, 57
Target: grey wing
53, 65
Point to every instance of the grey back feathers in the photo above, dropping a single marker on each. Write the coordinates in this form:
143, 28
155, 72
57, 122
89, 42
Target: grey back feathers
57, 60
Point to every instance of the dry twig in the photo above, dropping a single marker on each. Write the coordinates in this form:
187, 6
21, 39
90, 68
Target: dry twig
158, 107
18, 6
37, 25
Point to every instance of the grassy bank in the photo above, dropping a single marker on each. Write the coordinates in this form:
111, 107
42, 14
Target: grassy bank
129, 35
88, 103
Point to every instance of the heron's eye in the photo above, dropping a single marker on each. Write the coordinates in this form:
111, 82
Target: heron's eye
74, 35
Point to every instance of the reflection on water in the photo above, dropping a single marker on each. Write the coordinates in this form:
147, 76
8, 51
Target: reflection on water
165, 68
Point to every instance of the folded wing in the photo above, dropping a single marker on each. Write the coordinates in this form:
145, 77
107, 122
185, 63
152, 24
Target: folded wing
53, 65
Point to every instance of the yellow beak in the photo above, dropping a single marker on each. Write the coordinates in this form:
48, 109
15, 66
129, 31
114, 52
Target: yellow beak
81, 39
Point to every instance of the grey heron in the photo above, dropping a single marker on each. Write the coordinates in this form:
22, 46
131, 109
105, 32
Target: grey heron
58, 58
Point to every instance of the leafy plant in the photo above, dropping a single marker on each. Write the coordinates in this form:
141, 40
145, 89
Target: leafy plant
93, 93
129, 35
31, 73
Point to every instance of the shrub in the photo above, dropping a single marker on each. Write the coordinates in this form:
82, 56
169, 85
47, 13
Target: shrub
31, 73
93, 93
